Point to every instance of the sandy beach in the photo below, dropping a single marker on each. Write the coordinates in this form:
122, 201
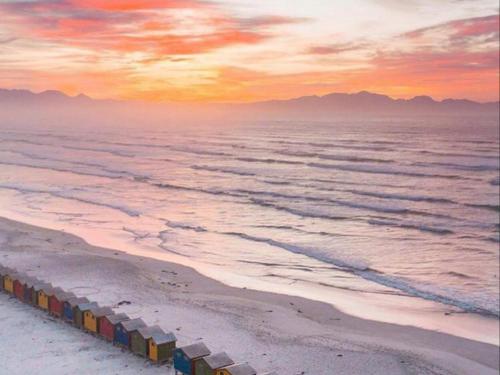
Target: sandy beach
272, 332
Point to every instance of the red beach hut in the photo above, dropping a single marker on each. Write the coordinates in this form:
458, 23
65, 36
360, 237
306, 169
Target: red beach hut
19, 286
108, 323
56, 302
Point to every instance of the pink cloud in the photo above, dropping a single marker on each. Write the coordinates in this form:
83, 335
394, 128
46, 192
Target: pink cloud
460, 30
137, 25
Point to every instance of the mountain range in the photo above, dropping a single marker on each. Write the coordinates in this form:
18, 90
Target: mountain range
55, 103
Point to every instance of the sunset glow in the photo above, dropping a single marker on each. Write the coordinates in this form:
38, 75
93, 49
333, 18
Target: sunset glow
239, 50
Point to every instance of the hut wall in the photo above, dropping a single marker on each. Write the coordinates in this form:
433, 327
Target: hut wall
56, 307
27, 295
78, 317
43, 300
106, 329
201, 368
90, 321
182, 363
19, 290
153, 351
8, 284
34, 297
161, 353
68, 312
138, 344
121, 336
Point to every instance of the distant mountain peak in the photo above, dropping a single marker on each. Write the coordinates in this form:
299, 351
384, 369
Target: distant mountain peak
307, 107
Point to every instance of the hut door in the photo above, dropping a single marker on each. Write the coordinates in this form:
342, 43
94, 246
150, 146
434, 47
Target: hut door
153, 351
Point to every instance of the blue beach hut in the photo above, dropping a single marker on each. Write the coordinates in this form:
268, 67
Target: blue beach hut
69, 306
124, 329
185, 357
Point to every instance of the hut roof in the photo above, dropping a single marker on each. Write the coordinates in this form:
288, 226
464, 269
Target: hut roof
53, 291
21, 277
163, 338
117, 318
241, 369
86, 306
101, 311
7, 271
18, 276
42, 285
147, 332
32, 281
63, 295
76, 301
218, 360
133, 325
195, 350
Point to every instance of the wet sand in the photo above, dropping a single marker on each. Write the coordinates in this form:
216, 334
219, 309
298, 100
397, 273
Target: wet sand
289, 335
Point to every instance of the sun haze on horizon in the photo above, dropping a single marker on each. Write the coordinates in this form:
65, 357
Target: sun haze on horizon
240, 50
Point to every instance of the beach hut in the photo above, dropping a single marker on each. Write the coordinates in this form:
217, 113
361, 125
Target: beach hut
44, 295
239, 369
185, 357
162, 346
8, 281
18, 285
3, 272
124, 329
108, 323
79, 311
139, 340
69, 308
36, 289
92, 317
210, 364
29, 283
56, 302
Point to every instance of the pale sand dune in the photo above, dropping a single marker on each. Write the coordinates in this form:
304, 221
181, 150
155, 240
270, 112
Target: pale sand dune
273, 332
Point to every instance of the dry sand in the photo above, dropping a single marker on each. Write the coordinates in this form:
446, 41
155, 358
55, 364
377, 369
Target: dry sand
289, 335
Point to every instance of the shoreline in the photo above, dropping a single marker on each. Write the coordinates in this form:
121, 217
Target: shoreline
286, 328
386, 308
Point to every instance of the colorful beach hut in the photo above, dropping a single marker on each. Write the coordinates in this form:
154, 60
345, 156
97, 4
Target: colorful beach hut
92, 317
239, 369
29, 283
186, 356
79, 311
37, 287
18, 285
162, 346
124, 329
56, 302
44, 294
8, 281
139, 340
69, 308
108, 323
210, 364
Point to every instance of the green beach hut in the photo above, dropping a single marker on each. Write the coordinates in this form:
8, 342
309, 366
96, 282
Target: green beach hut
210, 364
139, 340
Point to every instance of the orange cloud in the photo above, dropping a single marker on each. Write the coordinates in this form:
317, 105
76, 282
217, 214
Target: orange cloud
124, 26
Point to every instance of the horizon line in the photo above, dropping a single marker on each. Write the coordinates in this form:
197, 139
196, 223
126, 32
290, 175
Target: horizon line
81, 94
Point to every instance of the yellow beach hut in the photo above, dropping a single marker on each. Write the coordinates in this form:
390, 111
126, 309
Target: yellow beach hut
43, 296
92, 316
8, 281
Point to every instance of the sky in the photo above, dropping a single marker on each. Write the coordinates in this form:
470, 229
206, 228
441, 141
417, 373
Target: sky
251, 50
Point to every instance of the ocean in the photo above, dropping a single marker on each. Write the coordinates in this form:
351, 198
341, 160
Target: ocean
400, 207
